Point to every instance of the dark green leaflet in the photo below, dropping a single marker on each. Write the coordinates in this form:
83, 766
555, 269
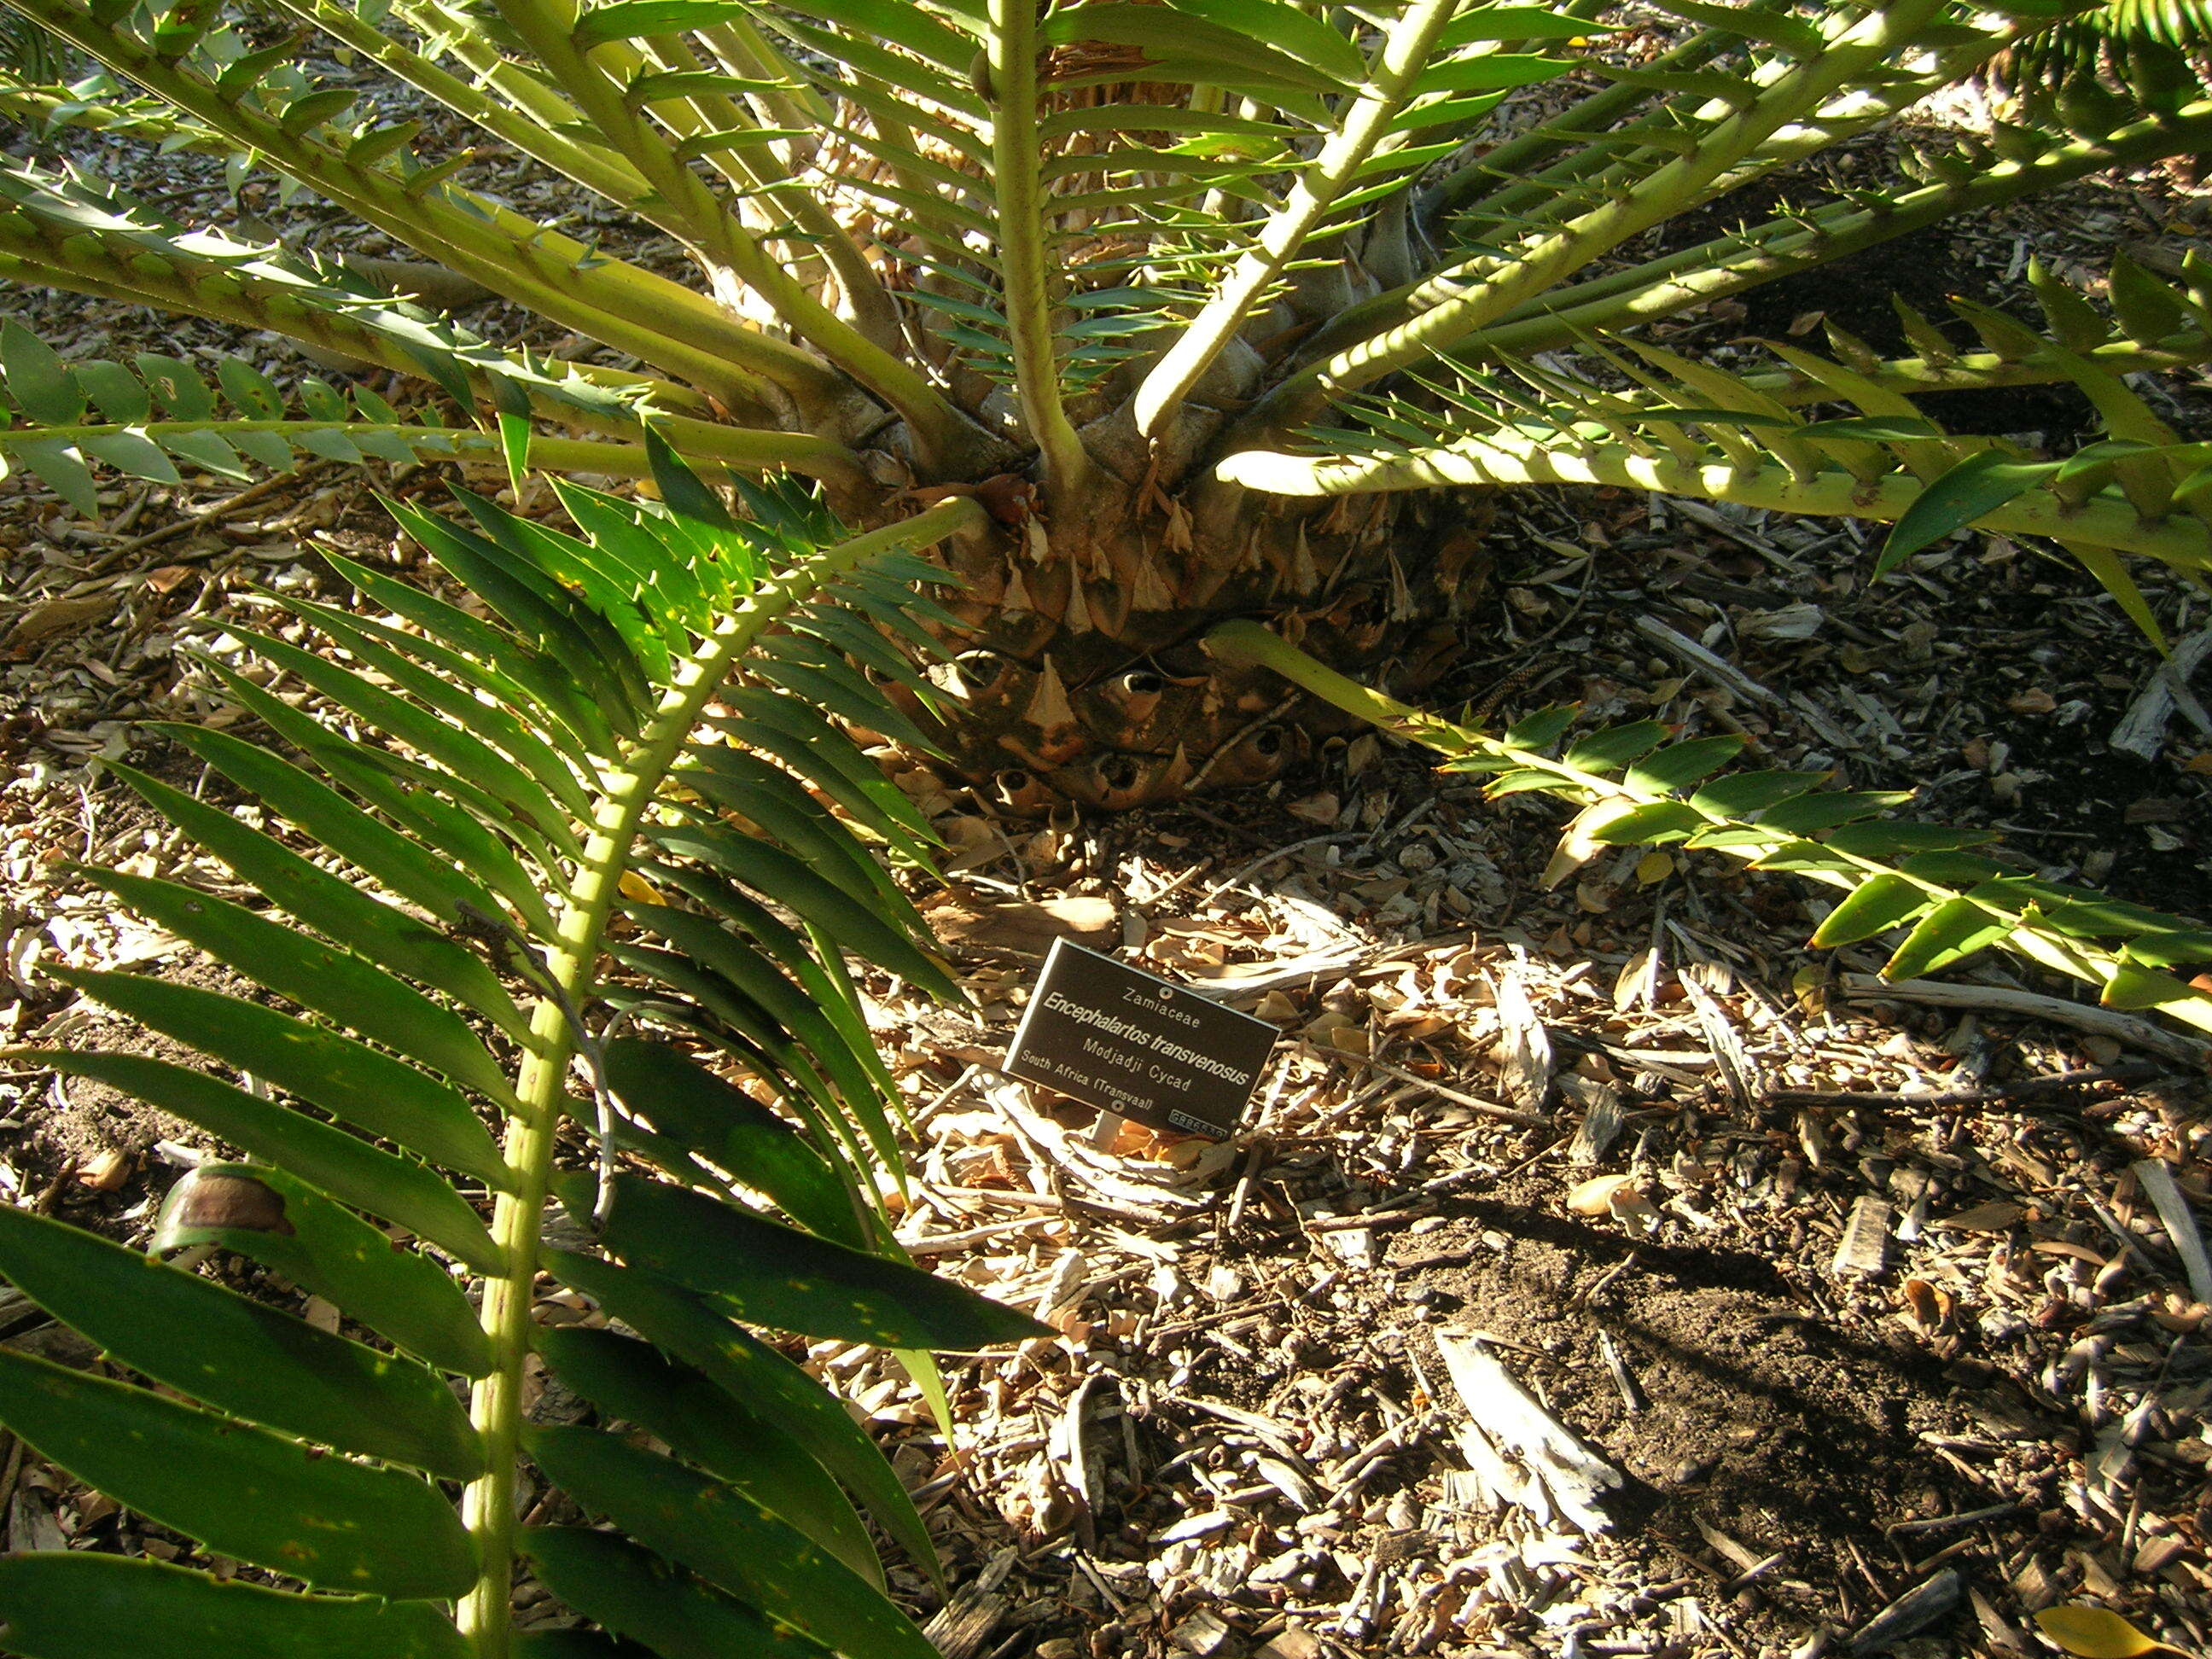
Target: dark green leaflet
344, 1077
286, 1226
244, 1492
64, 1604
383, 1183
239, 1356
721, 1534
634, 1382
777, 1276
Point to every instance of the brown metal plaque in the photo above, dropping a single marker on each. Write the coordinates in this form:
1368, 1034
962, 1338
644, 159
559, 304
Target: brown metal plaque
1128, 1042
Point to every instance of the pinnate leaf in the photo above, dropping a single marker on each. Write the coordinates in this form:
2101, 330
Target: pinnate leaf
681, 1098
635, 1592
365, 1088
2131, 987
244, 1492
38, 379
1610, 750
634, 1382
1887, 840
1541, 729
721, 1534
284, 1224
346, 1167
210, 1342
1754, 792
1657, 821
686, 1326
1584, 836
1681, 764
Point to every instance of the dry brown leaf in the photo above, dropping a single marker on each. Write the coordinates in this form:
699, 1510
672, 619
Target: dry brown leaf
60, 617
1576, 846
1810, 986
105, 1171
1632, 1210
1018, 925
1135, 1140
1595, 1196
1927, 1306
1525, 1049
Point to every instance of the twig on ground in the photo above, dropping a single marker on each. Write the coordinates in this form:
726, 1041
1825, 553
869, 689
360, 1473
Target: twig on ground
2156, 1179
200, 520
2031, 1005
2056, 1083
1718, 668
1947, 1523
1244, 871
1473, 1102
2141, 730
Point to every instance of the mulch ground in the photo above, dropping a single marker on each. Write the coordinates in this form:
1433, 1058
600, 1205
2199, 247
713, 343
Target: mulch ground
1611, 1141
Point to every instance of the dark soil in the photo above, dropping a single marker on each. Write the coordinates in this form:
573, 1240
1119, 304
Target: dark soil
1759, 1410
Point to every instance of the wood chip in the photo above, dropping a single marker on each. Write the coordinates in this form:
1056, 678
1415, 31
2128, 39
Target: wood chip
2141, 730
1571, 1475
1526, 1049
1601, 1124
1911, 1614
972, 1617
1204, 1634
1863, 1250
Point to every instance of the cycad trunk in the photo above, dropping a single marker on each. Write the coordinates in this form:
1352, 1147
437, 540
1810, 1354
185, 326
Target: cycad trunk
1085, 679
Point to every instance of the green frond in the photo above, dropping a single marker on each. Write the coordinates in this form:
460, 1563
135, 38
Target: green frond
158, 415
1691, 429
1937, 903
75, 232
549, 894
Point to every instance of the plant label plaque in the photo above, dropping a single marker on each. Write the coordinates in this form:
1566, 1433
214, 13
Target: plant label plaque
1128, 1042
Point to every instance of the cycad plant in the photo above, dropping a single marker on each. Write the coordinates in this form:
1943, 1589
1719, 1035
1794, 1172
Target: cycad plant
555, 861
1102, 266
